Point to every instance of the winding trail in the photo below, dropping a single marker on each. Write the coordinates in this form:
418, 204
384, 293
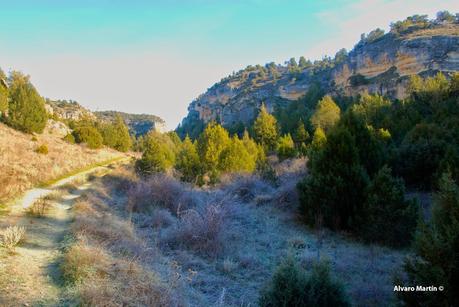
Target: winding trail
31, 276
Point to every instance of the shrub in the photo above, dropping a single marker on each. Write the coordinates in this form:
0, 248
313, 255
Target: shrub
69, 138
42, 149
11, 237
200, 231
89, 135
436, 248
26, 110
388, 218
38, 208
34, 139
292, 286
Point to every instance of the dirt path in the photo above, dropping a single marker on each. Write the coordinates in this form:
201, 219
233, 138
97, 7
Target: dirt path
31, 276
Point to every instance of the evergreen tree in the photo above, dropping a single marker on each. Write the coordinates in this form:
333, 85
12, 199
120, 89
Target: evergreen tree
255, 151
116, 135
334, 191
187, 162
286, 147
26, 110
236, 158
157, 156
388, 218
211, 143
326, 115
436, 246
265, 129
300, 138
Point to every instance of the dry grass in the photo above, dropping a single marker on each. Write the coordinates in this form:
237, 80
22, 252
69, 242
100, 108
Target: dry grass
11, 237
21, 168
103, 280
103, 268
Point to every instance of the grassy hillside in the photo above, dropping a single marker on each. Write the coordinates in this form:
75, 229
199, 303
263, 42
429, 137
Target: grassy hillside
22, 167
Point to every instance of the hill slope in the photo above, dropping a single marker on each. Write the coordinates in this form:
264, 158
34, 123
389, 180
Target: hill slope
22, 168
380, 63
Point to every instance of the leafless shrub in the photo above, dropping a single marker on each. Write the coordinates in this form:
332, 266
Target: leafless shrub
11, 237
39, 208
158, 191
200, 231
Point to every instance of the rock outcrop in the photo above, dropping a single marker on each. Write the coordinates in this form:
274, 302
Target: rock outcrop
382, 65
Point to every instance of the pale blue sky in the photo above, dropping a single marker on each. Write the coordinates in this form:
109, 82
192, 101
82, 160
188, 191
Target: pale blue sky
156, 56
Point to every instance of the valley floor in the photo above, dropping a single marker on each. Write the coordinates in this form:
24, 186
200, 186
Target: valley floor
212, 247
118, 240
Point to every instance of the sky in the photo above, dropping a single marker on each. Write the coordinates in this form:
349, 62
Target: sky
157, 56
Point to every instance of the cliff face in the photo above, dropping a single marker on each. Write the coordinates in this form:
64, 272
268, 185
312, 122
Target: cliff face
381, 66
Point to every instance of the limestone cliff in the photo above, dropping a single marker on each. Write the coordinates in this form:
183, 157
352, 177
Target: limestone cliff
381, 65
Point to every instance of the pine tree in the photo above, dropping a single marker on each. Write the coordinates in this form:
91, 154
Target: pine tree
212, 141
187, 162
301, 137
265, 128
157, 156
436, 247
26, 111
326, 115
286, 147
116, 135
236, 158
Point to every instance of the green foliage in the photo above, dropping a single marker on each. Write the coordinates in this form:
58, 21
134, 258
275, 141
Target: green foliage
373, 109
188, 162
211, 144
42, 149
414, 22
26, 110
291, 286
88, 134
236, 158
333, 193
370, 148
3, 93
420, 154
326, 115
286, 147
69, 138
158, 154
265, 129
388, 218
436, 247
116, 135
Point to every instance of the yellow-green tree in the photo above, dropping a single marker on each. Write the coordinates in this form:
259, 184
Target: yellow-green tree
326, 114
187, 162
266, 130
26, 110
3, 93
286, 147
236, 158
212, 141
158, 155
116, 135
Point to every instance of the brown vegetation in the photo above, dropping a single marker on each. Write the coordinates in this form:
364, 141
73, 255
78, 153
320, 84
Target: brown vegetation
22, 168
